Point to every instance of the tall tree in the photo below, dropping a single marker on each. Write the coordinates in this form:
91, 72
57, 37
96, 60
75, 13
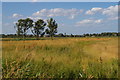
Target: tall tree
18, 29
28, 23
52, 27
38, 28
23, 25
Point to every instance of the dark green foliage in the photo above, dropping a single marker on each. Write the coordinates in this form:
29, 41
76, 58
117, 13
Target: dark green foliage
52, 27
23, 25
38, 28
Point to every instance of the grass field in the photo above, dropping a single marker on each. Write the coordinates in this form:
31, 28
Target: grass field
61, 58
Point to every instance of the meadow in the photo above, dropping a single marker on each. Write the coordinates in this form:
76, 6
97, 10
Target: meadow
61, 58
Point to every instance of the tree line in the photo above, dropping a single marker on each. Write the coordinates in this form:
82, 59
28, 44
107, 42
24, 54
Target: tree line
37, 28
105, 34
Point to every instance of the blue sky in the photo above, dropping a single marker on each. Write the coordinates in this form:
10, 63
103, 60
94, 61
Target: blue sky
72, 17
60, 0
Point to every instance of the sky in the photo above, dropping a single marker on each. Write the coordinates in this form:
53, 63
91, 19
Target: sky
72, 17
60, 0
0, 17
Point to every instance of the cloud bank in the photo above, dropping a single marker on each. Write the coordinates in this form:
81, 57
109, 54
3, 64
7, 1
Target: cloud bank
70, 13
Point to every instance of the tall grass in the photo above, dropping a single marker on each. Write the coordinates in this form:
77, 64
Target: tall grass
61, 58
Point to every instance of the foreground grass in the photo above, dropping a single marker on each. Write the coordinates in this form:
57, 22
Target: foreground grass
61, 58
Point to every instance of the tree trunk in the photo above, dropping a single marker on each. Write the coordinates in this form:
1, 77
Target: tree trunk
37, 37
52, 37
24, 36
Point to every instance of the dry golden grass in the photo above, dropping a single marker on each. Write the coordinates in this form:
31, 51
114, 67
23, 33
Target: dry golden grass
62, 57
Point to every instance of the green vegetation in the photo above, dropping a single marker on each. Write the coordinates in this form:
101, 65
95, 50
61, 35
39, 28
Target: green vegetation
23, 25
52, 27
37, 28
61, 58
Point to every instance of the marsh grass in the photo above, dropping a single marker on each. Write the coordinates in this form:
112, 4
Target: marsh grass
61, 58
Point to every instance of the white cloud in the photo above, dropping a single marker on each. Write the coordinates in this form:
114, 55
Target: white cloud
15, 15
88, 22
70, 13
111, 11
34, 18
98, 21
93, 11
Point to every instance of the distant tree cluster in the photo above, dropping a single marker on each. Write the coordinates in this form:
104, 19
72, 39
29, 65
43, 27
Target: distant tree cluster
106, 34
37, 28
